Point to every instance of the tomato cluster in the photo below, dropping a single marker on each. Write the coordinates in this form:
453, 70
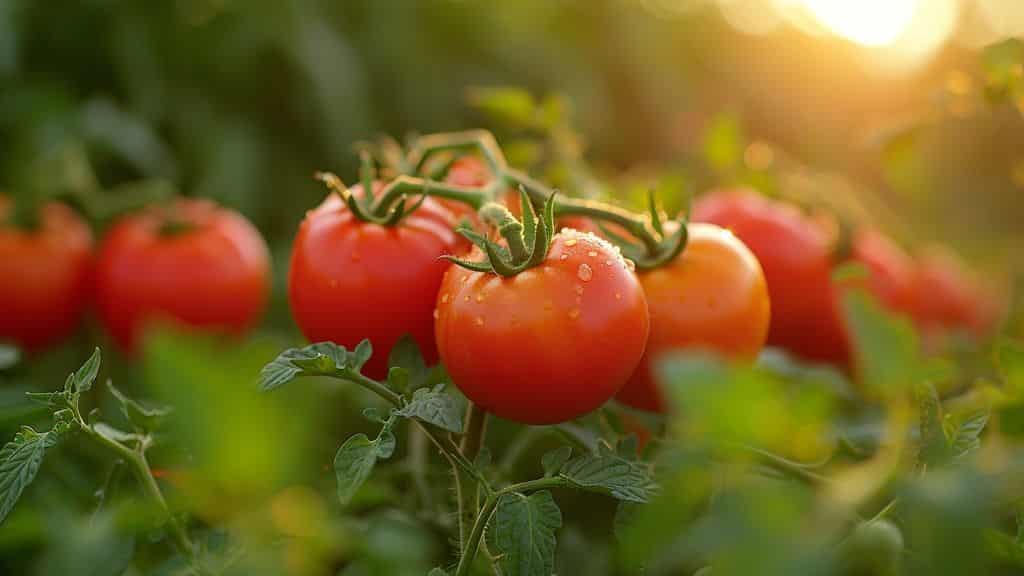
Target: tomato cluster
799, 254
190, 262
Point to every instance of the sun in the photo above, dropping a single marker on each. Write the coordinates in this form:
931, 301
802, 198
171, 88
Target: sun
867, 22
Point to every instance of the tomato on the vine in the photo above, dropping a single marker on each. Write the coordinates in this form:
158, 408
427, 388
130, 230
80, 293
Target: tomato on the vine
192, 262
351, 279
713, 296
553, 342
797, 253
948, 297
44, 276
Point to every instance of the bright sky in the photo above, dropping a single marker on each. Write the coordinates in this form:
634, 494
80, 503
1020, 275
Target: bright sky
867, 22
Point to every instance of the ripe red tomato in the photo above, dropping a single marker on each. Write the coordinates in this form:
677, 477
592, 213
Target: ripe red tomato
44, 276
351, 280
467, 171
795, 254
195, 263
949, 298
712, 296
551, 343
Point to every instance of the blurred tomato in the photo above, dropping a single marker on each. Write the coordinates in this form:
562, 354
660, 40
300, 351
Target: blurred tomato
193, 262
44, 276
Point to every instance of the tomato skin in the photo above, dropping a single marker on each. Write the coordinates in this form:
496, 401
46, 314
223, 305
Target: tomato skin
890, 269
551, 343
795, 254
712, 296
215, 275
45, 277
351, 280
949, 297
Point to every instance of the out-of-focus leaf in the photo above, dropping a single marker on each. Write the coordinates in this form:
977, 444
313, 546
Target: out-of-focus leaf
88, 546
522, 533
967, 437
886, 347
9, 356
513, 106
128, 137
934, 448
723, 143
1011, 364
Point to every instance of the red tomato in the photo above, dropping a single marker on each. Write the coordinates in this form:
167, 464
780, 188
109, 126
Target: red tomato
469, 171
351, 280
713, 296
948, 297
551, 343
795, 254
44, 276
194, 263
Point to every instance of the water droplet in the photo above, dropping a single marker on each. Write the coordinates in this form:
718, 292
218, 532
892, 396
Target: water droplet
585, 272
480, 297
444, 298
570, 242
618, 296
630, 265
574, 313
479, 320
607, 262
592, 253
437, 313
563, 257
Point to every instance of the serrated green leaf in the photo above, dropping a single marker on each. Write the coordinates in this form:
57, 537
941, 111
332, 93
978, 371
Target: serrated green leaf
553, 461
49, 399
356, 458
19, 463
934, 449
434, 406
358, 357
86, 375
320, 359
611, 474
9, 356
522, 534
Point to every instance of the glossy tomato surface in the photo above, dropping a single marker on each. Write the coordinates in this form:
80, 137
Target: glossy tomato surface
795, 253
193, 263
551, 343
45, 276
351, 280
712, 297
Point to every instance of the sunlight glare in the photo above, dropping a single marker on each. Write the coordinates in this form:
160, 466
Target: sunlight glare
867, 22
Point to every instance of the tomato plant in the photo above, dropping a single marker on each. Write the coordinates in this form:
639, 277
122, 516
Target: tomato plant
712, 297
341, 264
191, 262
45, 275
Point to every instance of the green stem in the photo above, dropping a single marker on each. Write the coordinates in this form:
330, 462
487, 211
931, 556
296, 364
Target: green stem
480, 140
476, 427
487, 510
405, 185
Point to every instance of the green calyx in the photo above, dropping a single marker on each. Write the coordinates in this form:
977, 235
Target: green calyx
653, 250
526, 243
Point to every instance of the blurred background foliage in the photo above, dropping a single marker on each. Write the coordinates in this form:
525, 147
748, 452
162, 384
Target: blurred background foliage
242, 100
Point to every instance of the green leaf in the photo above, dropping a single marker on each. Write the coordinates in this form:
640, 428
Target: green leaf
934, 448
320, 359
398, 379
555, 459
513, 106
406, 355
356, 458
522, 534
437, 572
49, 399
611, 474
9, 356
723, 143
19, 462
111, 433
887, 348
142, 416
86, 375
434, 406
967, 437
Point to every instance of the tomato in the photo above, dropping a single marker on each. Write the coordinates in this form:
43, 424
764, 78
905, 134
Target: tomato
949, 298
873, 547
795, 253
550, 344
469, 171
890, 270
712, 296
44, 276
351, 280
194, 263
